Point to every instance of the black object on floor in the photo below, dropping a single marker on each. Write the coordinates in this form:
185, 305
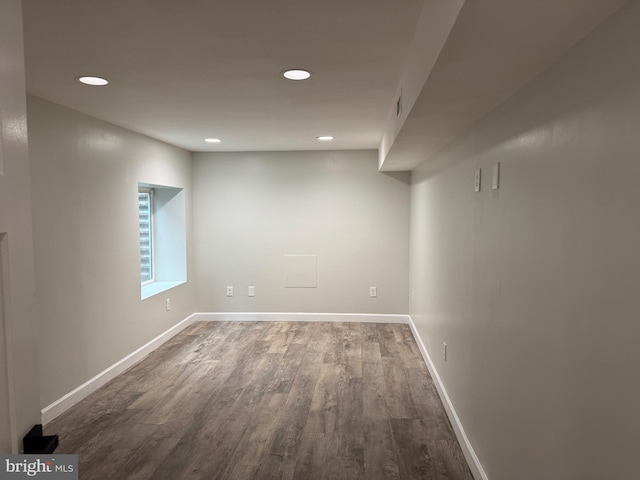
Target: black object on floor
36, 442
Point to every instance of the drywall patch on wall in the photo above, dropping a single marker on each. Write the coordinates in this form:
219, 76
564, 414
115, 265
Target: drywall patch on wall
300, 271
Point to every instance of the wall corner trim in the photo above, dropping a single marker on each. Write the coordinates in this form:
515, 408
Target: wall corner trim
87, 388
468, 451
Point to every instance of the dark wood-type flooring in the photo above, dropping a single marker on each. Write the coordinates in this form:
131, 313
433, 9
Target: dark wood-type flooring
268, 400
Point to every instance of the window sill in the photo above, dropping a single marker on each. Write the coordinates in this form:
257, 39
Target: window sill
155, 288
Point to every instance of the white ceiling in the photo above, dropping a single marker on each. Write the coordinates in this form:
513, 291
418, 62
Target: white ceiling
183, 70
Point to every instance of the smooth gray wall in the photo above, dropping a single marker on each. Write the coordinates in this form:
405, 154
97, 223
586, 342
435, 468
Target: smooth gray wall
19, 382
250, 209
534, 287
85, 176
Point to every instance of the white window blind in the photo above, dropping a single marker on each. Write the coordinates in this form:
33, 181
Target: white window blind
145, 219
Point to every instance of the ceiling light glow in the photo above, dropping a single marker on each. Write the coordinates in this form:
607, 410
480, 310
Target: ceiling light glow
95, 81
296, 74
212, 140
325, 138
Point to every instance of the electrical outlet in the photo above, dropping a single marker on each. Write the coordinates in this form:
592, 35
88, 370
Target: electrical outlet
373, 291
477, 184
168, 304
229, 291
251, 291
444, 351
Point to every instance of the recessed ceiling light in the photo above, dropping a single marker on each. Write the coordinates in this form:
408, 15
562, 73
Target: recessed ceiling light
96, 81
296, 74
212, 140
325, 138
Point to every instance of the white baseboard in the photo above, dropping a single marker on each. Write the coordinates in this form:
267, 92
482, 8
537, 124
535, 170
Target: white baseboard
70, 399
299, 317
469, 453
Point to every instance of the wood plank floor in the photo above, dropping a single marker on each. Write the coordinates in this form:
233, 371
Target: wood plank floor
268, 400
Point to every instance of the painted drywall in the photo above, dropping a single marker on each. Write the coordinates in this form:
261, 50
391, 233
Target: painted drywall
252, 209
19, 382
85, 176
534, 287
434, 25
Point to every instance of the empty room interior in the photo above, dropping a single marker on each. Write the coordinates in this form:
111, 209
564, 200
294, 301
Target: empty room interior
346, 239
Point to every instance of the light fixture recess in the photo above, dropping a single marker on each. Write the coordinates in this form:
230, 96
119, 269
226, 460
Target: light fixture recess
212, 140
325, 138
296, 74
94, 81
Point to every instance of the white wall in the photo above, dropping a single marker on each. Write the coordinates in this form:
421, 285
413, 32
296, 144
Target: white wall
251, 209
19, 383
85, 176
535, 287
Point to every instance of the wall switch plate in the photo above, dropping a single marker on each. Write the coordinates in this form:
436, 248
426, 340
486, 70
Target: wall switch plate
444, 351
168, 304
229, 291
251, 291
495, 182
373, 291
477, 179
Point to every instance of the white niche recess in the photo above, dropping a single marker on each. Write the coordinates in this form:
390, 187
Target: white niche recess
170, 240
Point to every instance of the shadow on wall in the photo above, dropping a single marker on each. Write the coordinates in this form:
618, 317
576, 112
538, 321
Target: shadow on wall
593, 69
404, 177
